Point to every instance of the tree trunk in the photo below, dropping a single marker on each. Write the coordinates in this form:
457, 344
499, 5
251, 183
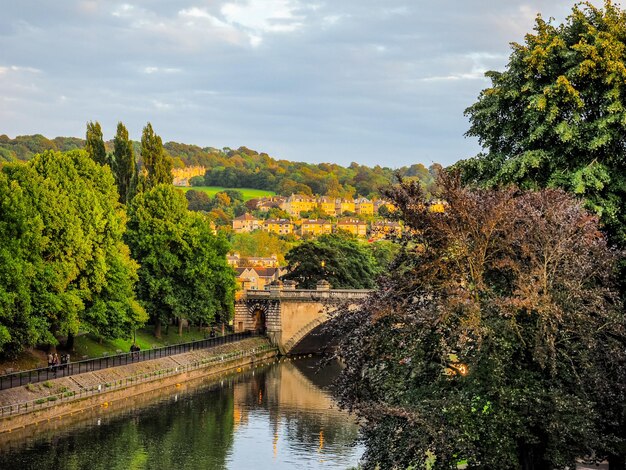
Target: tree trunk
69, 343
180, 327
157, 330
617, 462
531, 458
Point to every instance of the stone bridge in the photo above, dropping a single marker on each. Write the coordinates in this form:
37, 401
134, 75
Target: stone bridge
292, 318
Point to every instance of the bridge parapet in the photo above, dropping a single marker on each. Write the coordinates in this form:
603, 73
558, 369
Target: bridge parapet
308, 294
288, 315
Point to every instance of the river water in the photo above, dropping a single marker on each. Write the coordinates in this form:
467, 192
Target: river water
269, 416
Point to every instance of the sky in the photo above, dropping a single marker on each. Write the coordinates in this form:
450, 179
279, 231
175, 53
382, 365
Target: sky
370, 81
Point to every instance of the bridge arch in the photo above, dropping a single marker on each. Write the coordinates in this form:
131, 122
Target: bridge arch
291, 318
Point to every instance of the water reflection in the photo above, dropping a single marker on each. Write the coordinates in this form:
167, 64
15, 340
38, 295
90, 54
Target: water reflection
273, 416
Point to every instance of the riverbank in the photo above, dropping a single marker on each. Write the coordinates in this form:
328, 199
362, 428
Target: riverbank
36, 403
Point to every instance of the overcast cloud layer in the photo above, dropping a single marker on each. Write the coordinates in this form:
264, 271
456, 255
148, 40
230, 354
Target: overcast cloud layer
376, 82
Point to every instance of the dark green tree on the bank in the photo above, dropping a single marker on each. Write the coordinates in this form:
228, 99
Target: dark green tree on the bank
124, 164
556, 117
64, 265
94, 145
496, 338
341, 259
157, 165
183, 273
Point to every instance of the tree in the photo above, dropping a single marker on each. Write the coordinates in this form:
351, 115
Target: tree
124, 165
157, 165
490, 337
556, 117
65, 265
94, 145
183, 273
340, 259
198, 200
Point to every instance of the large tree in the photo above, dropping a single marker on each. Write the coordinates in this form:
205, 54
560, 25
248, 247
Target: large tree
183, 273
340, 259
124, 164
556, 117
156, 163
65, 266
94, 145
495, 339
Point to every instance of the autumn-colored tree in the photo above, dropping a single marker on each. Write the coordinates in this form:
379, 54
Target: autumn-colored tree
496, 339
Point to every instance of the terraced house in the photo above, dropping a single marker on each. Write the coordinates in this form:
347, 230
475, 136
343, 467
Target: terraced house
245, 223
315, 227
279, 226
354, 226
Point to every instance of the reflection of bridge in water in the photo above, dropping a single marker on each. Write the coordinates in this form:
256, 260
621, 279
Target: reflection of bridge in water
290, 317
300, 408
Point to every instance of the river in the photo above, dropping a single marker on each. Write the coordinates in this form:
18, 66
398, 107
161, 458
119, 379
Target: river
270, 416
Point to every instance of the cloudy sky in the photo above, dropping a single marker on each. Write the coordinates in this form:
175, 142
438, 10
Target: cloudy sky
372, 81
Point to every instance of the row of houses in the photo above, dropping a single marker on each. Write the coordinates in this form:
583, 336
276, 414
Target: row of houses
377, 229
298, 203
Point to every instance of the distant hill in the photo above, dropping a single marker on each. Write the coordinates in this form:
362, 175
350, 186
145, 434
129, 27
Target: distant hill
246, 168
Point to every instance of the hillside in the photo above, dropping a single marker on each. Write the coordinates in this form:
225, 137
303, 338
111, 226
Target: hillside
245, 168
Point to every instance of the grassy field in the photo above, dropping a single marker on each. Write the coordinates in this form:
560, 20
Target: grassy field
248, 193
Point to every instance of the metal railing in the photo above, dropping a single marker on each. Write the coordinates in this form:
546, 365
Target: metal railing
17, 379
69, 395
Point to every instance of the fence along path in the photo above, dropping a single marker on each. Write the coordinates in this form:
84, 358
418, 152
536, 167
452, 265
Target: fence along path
25, 377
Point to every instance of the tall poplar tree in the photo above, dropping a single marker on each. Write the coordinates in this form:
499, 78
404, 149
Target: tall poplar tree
124, 165
157, 165
95, 143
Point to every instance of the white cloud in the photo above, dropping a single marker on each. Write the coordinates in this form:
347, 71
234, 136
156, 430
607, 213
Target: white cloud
265, 16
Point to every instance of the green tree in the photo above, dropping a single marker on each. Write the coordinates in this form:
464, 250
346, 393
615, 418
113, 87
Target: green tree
157, 164
183, 273
198, 200
67, 267
489, 338
124, 165
94, 145
556, 117
340, 259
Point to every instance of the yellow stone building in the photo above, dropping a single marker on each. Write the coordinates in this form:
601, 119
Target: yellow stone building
344, 205
245, 223
315, 227
364, 206
383, 228
279, 226
354, 226
297, 203
327, 205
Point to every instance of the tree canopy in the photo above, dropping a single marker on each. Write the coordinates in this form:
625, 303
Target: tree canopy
157, 164
341, 259
183, 273
556, 117
94, 143
124, 164
64, 264
496, 339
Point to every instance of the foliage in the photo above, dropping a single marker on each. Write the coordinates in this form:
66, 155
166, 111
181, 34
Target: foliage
492, 338
64, 265
198, 200
556, 117
94, 145
124, 165
183, 273
259, 243
157, 165
341, 259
